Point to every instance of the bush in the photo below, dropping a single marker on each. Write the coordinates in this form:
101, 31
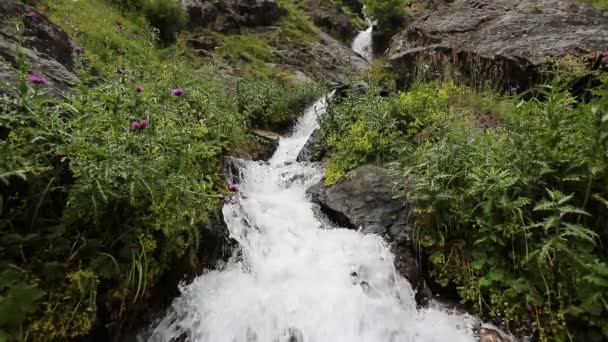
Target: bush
510, 196
166, 15
386, 12
271, 105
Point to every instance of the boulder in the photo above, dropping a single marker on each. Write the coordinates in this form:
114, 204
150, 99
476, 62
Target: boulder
46, 48
328, 16
314, 150
231, 16
503, 42
365, 200
266, 143
325, 60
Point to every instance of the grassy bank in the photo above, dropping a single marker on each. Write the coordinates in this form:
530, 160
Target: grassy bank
107, 189
509, 195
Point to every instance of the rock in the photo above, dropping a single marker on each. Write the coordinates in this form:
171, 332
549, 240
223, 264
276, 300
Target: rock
328, 16
491, 333
355, 5
504, 42
259, 12
313, 150
326, 60
365, 199
267, 144
47, 49
231, 16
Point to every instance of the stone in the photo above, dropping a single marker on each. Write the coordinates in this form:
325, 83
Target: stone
232, 16
268, 142
329, 17
314, 150
504, 42
365, 199
325, 60
46, 48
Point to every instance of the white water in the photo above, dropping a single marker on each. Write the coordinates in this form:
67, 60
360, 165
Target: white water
362, 44
297, 281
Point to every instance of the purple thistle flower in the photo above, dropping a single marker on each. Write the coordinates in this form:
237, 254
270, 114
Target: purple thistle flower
144, 123
135, 125
139, 88
36, 79
604, 59
234, 187
513, 88
178, 92
33, 15
78, 50
120, 71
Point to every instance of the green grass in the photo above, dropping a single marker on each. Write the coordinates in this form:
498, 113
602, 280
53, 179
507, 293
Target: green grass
94, 211
600, 4
510, 195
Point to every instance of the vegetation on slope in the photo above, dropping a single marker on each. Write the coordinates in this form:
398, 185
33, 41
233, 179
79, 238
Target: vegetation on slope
107, 189
510, 195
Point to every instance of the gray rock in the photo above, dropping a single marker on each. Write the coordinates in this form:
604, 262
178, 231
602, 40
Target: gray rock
46, 49
328, 16
326, 60
365, 199
231, 16
504, 42
314, 150
267, 142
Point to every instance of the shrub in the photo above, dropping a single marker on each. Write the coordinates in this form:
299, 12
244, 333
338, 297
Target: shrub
509, 196
166, 15
386, 12
271, 105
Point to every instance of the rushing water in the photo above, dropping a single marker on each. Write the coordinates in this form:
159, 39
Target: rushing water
295, 280
362, 44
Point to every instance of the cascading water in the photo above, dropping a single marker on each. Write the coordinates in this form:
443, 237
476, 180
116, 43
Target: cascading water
296, 280
362, 44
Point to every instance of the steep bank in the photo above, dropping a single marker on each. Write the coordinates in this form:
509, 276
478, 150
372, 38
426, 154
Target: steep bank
111, 176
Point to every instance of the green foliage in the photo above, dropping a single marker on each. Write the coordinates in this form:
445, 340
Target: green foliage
269, 104
296, 29
509, 195
386, 12
95, 211
245, 47
165, 15
600, 4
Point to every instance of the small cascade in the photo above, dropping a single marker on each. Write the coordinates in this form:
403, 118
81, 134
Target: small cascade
362, 44
296, 280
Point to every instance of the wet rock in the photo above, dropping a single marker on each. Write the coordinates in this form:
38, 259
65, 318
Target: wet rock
314, 149
328, 16
365, 199
231, 16
325, 60
47, 49
504, 42
264, 146
491, 333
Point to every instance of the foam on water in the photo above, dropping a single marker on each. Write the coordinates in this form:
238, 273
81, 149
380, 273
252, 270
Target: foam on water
295, 280
362, 44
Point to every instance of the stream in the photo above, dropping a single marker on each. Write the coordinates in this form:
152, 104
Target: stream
296, 279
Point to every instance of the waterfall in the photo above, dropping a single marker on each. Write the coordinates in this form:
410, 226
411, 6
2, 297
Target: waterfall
296, 280
362, 44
